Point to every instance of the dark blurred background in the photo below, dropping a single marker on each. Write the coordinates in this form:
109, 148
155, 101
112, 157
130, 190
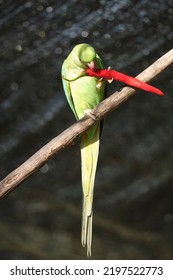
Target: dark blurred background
133, 203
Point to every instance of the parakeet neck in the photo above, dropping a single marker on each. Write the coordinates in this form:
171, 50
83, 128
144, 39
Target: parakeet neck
74, 70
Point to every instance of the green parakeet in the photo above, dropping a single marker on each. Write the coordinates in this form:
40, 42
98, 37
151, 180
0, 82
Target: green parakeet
83, 93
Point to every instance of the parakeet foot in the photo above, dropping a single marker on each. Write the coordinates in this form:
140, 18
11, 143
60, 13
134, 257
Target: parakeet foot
90, 113
111, 80
100, 82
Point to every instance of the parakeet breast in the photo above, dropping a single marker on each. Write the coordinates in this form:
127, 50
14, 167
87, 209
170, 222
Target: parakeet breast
87, 92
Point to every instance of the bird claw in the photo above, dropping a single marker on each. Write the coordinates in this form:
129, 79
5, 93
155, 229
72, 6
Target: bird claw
110, 81
90, 113
99, 84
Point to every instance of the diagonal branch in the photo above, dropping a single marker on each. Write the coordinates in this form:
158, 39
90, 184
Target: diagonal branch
67, 137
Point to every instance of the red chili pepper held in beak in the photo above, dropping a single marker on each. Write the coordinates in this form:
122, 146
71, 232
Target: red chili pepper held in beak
109, 74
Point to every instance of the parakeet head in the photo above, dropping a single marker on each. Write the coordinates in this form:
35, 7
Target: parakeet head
84, 56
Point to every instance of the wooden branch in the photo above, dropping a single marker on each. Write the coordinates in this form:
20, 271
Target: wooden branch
63, 140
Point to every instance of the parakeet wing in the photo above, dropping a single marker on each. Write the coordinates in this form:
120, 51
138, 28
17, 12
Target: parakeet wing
99, 62
67, 89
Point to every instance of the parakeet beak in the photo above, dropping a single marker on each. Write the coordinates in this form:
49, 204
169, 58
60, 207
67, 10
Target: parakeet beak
92, 65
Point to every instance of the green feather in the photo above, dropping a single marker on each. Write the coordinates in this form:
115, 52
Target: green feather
84, 92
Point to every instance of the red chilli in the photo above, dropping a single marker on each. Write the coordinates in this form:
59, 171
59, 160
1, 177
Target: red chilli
133, 82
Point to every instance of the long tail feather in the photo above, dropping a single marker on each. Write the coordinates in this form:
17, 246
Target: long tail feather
89, 157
